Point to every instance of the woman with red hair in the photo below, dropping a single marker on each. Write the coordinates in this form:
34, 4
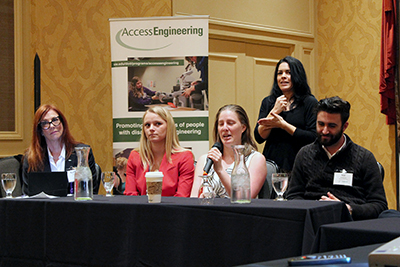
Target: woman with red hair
52, 147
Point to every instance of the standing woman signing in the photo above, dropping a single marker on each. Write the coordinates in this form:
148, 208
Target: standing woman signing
159, 150
286, 121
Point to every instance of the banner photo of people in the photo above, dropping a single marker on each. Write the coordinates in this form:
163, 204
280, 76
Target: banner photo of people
159, 61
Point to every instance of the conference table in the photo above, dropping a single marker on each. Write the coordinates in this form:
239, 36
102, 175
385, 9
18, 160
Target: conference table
128, 231
356, 233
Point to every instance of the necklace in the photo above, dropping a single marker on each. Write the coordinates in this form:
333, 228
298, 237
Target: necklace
289, 104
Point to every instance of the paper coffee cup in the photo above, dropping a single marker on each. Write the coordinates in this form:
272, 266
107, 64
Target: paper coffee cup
154, 186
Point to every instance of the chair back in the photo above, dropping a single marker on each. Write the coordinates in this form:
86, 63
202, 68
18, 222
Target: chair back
266, 190
98, 183
12, 164
381, 170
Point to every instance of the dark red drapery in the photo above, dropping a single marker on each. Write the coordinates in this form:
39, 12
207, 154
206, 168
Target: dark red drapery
388, 60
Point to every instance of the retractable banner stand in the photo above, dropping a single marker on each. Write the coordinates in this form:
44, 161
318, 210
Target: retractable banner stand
154, 62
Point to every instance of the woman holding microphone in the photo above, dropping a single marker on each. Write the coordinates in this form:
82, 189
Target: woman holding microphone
231, 128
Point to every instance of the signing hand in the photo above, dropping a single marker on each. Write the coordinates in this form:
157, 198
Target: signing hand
273, 120
280, 104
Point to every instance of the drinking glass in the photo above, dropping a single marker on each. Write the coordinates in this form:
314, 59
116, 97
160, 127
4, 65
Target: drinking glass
280, 183
8, 181
108, 182
206, 190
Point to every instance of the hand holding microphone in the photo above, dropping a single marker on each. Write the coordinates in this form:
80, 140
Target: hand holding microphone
209, 161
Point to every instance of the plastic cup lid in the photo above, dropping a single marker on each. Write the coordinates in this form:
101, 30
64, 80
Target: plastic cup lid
154, 174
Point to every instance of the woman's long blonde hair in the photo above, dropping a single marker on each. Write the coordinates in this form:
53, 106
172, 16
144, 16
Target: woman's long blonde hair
171, 139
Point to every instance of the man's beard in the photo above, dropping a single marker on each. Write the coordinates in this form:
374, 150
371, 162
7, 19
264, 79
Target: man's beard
333, 138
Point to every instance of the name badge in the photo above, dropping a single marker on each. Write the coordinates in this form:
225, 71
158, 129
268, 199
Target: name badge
71, 176
343, 178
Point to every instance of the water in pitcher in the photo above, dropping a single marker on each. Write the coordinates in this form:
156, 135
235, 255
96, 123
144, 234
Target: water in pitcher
240, 178
83, 184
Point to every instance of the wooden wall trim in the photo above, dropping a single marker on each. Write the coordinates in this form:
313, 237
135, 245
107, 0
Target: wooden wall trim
17, 134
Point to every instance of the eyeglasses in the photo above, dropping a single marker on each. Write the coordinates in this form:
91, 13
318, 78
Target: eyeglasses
46, 124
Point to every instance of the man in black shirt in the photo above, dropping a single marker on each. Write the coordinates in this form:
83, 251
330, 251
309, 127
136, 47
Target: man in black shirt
333, 168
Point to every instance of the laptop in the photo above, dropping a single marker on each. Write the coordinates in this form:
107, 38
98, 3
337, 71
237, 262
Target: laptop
51, 183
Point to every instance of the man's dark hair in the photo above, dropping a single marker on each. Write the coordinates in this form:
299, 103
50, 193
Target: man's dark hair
334, 105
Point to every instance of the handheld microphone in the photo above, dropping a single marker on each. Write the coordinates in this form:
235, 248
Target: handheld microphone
209, 161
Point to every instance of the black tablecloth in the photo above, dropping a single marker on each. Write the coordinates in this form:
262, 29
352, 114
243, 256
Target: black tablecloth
128, 231
357, 233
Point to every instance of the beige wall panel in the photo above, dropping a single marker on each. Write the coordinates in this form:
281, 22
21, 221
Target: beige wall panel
296, 16
226, 46
263, 79
307, 57
72, 39
222, 79
348, 35
244, 86
269, 50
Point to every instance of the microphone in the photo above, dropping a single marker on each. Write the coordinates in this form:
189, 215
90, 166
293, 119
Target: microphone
209, 161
